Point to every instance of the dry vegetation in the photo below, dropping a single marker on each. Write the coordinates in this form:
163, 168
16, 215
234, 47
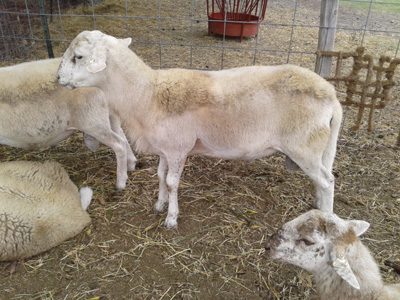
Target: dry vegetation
227, 207
227, 210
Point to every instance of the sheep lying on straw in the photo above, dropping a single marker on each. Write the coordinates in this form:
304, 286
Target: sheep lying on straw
36, 112
329, 248
40, 207
243, 113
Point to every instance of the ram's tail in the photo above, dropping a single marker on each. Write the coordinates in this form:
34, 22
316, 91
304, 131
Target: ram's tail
330, 151
85, 194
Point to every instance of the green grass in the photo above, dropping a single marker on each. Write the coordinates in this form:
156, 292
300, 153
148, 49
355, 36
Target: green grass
391, 5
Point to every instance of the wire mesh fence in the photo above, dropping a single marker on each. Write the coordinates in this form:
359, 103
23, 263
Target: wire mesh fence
169, 34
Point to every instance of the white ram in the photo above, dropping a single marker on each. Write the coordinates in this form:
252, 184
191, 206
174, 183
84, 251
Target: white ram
244, 113
329, 248
37, 112
40, 207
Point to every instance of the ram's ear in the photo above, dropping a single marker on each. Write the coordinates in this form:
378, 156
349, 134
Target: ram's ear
342, 267
97, 61
359, 227
126, 41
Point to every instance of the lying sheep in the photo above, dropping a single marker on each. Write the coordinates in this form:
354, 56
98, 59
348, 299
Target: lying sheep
243, 113
40, 207
36, 112
329, 248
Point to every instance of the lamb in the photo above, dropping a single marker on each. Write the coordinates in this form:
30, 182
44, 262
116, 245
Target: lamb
242, 113
37, 112
329, 248
40, 207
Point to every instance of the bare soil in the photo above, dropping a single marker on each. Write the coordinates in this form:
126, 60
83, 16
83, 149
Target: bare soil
227, 208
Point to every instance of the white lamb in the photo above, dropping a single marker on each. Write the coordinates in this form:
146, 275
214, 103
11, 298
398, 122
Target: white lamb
40, 207
243, 113
329, 248
35, 112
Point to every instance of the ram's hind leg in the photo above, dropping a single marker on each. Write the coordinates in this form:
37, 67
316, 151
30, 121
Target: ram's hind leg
323, 179
325, 186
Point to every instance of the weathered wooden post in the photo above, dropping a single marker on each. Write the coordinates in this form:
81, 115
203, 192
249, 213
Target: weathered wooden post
326, 37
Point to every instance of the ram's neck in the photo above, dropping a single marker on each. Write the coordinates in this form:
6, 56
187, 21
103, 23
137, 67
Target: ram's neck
331, 286
129, 85
131, 67
130, 82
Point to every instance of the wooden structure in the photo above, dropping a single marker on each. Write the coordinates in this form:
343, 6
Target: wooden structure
326, 35
368, 85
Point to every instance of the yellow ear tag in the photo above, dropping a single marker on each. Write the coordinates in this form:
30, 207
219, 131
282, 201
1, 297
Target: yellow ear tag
89, 62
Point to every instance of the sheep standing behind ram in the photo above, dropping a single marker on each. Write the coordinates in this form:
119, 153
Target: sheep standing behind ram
36, 112
243, 113
329, 248
40, 207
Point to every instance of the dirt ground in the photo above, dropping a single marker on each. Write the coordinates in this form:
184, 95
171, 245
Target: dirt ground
227, 210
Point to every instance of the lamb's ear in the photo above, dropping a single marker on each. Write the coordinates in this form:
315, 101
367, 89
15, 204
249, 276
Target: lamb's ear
359, 227
126, 41
342, 267
96, 62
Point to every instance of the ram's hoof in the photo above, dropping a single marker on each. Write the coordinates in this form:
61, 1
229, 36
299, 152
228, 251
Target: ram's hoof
170, 223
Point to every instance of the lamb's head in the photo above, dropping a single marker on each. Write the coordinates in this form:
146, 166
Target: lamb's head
85, 60
315, 241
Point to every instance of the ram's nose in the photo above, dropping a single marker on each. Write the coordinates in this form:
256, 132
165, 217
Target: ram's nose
268, 245
66, 85
273, 241
63, 82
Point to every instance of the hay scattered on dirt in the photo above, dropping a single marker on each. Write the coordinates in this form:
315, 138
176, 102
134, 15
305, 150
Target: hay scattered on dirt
227, 208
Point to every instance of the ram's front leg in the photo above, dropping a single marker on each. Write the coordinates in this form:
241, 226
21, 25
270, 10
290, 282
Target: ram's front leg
117, 143
162, 185
175, 169
116, 127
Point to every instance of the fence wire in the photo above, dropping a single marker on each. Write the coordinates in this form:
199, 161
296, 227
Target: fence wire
173, 33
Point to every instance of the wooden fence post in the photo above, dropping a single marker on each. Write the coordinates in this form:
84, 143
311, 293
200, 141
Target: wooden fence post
326, 37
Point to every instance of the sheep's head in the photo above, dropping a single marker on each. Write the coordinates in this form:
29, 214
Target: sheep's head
86, 58
316, 240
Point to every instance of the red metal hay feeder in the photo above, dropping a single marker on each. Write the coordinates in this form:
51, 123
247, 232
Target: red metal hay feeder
236, 18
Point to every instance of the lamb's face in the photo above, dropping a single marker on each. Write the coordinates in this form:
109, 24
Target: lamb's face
318, 241
73, 71
302, 242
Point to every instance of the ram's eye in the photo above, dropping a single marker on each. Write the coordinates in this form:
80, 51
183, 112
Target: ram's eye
76, 57
307, 242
